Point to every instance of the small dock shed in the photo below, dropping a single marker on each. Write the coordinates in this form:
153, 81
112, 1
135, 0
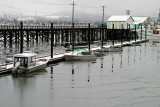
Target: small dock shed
120, 22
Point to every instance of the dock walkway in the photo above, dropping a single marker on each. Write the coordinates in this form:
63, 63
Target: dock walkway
60, 57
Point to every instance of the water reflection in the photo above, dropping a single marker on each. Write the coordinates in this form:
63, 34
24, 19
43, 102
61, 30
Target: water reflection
128, 54
101, 59
72, 75
69, 86
23, 83
51, 84
112, 62
101, 62
88, 71
140, 51
134, 53
121, 61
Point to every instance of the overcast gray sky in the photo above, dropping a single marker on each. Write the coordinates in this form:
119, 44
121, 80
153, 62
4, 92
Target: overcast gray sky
113, 7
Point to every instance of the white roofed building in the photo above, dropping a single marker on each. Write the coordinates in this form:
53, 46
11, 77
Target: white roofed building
141, 20
120, 22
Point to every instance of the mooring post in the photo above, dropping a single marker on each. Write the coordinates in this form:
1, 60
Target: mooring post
135, 33
67, 37
36, 36
52, 36
73, 36
113, 35
89, 36
15, 37
106, 38
62, 36
102, 35
5, 38
141, 31
122, 34
21, 46
42, 36
107, 33
70, 37
129, 32
10, 37
18, 36
27, 37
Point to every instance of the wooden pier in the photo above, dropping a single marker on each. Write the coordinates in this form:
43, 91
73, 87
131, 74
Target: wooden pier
61, 34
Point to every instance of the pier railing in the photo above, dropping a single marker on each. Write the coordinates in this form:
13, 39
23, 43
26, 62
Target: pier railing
45, 26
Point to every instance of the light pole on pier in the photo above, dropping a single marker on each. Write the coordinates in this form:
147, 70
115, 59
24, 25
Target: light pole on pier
73, 35
103, 25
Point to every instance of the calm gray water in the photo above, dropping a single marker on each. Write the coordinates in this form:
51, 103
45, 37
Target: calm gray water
127, 79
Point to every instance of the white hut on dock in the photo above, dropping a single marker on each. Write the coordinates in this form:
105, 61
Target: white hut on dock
120, 22
145, 21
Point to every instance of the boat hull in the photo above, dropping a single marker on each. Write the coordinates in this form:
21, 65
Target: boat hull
80, 57
99, 54
31, 69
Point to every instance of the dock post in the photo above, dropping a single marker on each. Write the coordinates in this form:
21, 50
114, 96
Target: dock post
62, 37
89, 36
73, 36
102, 34
135, 33
27, 37
42, 36
70, 37
113, 35
122, 34
18, 34
141, 31
52, 36
16, 37
10, 37
5, 38
36, 36
129, 32
21, 46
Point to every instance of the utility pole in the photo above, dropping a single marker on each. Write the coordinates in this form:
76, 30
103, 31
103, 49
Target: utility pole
73, 35
21, 16
103, 14
35, 18
102, 26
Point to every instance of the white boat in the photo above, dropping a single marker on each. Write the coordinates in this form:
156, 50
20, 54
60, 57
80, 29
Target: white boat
80, 57
99, 53
27, 62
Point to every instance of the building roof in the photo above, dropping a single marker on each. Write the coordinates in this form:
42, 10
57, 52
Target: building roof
25, 54
138, 20
121, 18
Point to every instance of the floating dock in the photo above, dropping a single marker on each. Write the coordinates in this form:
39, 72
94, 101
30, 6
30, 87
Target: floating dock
60, 57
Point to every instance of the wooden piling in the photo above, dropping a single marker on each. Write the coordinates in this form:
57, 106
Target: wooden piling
135, 33
21, 45
141, 31
89, 36
73, 36
52, 36
102, 34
